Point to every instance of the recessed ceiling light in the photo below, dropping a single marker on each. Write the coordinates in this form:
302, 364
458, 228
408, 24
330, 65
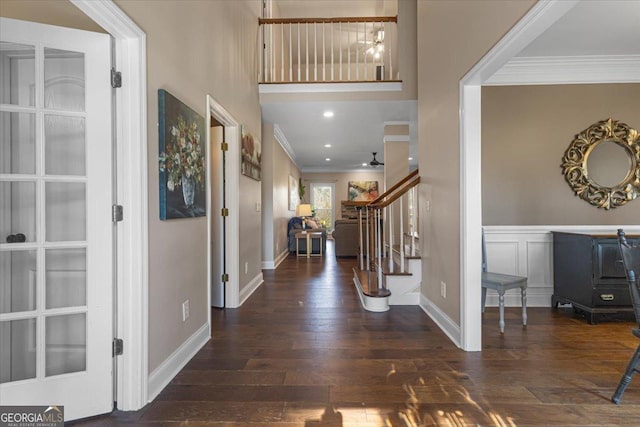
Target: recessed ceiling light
410, 158
327, 145
327, 159
328, 114
364, 164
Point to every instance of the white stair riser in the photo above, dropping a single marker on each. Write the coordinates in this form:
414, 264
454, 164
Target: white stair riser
405, 290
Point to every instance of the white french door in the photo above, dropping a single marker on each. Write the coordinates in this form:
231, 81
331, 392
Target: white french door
322, 197
56, 304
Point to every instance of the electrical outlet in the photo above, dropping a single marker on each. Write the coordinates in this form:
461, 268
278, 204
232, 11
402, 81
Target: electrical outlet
185, 310
443, 290
246, 267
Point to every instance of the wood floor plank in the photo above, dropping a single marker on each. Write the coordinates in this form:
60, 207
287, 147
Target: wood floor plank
302, 352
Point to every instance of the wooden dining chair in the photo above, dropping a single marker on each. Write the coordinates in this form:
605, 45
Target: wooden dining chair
631, 262
502, 283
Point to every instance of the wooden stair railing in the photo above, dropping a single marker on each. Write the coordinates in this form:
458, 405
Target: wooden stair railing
372, 235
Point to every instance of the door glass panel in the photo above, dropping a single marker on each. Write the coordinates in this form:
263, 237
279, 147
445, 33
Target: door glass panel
66, 277
17, 350
17, 143
64, 145
63, 80
65, 211
17, 281
18, 84
322, 197
66, 344
17, 210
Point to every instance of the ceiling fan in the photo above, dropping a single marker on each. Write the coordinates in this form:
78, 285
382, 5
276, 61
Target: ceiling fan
375, 162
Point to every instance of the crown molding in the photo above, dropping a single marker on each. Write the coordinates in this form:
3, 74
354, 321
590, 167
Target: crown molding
568, 70
284, 143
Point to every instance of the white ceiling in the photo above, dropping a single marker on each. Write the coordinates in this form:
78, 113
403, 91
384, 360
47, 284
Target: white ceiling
592, 27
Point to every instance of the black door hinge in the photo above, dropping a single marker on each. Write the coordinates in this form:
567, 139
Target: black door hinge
116, 78
117, 347
225, 277
117, 213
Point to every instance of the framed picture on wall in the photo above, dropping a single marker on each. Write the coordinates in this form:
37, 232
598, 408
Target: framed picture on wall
362, 191
181, 159
293, 193
251, 160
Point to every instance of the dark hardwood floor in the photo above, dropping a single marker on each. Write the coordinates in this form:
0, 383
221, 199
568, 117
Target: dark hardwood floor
302, 352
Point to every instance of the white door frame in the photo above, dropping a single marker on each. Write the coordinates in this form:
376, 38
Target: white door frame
232, 178
131, 143
539, 18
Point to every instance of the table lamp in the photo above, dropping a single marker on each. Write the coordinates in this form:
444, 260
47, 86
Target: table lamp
304, 211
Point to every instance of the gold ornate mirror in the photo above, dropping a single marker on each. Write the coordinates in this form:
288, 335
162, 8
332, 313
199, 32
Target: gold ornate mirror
602, 164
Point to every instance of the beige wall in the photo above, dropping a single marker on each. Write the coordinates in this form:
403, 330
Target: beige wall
283, 167
52, 12
195, 48
525, 132
341, 180
452, 37
278, 166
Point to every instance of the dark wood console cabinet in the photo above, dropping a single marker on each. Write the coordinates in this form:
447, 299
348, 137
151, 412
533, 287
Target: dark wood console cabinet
588, 274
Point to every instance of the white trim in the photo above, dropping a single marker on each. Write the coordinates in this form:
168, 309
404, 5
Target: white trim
272, 265
132, 193
444, 322
232, 136
568, 70
163, 374
395, 138
539, 18
331, 87
250, 288
373, 304
281, 257
284, 143
396, 123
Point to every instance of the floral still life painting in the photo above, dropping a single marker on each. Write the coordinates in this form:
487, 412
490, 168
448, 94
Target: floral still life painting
181, 159
251, 156
363, 191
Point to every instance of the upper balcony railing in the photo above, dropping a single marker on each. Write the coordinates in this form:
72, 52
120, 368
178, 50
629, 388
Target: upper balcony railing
323, 50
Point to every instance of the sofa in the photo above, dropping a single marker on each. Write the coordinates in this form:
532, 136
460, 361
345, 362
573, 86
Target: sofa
295, 226
346, 237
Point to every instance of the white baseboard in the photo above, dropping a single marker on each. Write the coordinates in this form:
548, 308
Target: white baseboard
281, 257
250, 288
163, 374
272, 265
443, 321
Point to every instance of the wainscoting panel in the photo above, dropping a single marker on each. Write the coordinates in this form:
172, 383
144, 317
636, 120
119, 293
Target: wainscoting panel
528, 251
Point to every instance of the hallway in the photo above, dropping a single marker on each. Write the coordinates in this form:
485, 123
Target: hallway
302, 352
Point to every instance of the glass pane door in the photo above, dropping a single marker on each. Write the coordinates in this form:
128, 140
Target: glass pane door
322, 202
55, 225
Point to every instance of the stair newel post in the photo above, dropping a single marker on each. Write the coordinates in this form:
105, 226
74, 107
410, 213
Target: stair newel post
390, 225
379, 242
361, 238
366, 211
401, 234
414, 220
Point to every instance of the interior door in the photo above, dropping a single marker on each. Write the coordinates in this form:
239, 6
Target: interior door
55, 218
322, 196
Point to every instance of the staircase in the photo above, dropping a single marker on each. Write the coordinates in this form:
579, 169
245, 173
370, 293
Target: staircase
389, 267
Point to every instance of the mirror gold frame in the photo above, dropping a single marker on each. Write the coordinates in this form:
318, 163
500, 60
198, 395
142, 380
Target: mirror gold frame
574, 164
